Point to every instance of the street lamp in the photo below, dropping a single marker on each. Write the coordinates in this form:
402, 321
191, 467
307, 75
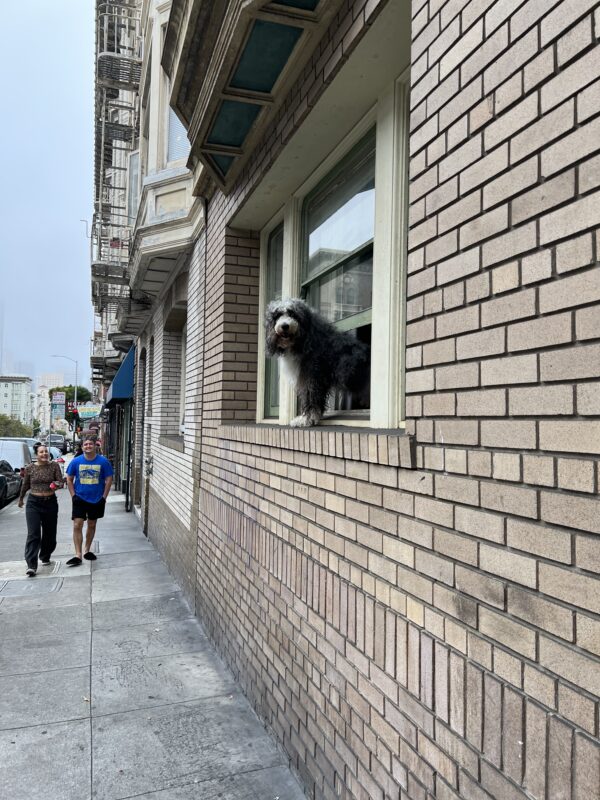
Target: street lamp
75, 398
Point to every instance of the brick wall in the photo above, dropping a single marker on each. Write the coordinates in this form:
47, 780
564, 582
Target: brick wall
425, 623
502, 272
172, 537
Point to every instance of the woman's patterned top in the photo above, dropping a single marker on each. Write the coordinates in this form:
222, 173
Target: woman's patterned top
38, 478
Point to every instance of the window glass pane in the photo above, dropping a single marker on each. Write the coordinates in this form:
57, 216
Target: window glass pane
273, 292
178, 145
345, 291
339, 226
275, 264
133, 187
353, 401
339, 216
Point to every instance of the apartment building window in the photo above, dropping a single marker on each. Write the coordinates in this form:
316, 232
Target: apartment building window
178, 146
343, 249
133, 187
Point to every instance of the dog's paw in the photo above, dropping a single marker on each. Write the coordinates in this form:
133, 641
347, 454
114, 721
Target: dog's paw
301, 422
305, 420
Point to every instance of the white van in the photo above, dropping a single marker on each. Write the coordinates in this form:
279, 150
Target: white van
16, 453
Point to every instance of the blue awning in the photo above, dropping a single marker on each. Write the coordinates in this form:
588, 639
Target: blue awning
122, 386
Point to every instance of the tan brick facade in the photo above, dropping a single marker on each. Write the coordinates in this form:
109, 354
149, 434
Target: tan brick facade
416, 613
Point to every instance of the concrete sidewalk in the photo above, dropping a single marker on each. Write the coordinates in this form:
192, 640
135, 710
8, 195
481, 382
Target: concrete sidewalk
108, 686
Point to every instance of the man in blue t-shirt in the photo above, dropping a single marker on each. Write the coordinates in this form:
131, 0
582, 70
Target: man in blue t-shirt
89, 478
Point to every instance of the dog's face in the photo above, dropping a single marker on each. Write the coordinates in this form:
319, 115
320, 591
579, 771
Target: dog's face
283, 324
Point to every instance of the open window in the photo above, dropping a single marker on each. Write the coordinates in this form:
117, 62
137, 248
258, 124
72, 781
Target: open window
342, 247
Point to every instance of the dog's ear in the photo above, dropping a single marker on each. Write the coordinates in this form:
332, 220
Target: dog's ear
271, 314
271, 342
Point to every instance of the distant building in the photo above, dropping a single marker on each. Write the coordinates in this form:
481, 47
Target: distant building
50, 380
42, 407
15, 399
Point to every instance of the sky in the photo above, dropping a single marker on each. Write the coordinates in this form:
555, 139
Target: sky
46, 185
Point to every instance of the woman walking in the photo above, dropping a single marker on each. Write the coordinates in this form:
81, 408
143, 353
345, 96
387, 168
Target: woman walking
41, 480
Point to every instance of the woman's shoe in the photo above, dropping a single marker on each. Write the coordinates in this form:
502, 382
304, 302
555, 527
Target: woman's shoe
30, 572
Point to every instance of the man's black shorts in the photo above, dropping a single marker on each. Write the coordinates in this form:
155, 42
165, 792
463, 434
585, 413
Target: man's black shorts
84, 510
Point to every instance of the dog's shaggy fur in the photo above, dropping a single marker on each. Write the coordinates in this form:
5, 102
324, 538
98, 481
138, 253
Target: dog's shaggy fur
316, 357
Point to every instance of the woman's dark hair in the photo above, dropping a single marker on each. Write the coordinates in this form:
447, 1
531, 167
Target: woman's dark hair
37, 446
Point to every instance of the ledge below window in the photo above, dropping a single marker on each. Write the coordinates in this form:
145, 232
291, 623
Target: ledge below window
394, 448
174, 442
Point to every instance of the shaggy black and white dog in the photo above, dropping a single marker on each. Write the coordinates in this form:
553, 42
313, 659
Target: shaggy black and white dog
315, 356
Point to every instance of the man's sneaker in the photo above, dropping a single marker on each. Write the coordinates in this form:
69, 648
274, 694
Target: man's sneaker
46, 563
30, 572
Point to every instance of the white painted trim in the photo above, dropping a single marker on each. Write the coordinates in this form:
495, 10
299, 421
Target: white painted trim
289, 288
389, 257
262, 305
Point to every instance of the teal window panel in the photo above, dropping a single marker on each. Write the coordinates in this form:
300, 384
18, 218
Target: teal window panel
306, 5
266, 53
232, 123
223, 163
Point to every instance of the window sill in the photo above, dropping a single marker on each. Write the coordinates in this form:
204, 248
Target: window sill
173, 442
393, 448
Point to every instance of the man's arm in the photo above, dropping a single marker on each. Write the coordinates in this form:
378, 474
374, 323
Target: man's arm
107, 485
70, 485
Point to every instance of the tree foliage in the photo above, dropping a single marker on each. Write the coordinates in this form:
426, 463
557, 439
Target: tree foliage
83, 395
12, 427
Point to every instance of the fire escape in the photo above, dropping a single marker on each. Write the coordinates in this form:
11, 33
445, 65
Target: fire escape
118, 72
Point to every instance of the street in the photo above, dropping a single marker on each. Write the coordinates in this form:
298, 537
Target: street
108, 686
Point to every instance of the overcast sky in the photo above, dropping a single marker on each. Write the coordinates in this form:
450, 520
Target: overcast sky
46, 139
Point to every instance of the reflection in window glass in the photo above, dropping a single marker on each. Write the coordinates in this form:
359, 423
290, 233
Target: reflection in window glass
346, 290
339, 225
340, 214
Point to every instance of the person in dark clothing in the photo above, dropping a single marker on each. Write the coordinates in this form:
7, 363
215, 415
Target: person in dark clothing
41, 481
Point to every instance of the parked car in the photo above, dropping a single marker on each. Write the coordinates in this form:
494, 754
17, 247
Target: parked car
17, 454
30, 441
57, 440
10, 483
56, 455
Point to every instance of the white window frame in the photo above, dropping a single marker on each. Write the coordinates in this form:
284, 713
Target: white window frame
390, 116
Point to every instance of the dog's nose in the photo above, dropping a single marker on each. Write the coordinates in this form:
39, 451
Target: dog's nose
285, 326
